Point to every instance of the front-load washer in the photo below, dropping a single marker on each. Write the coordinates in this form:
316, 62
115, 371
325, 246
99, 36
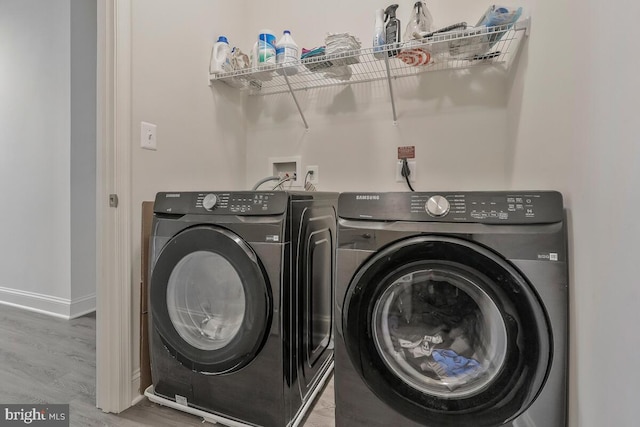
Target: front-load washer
451, 310
241, 303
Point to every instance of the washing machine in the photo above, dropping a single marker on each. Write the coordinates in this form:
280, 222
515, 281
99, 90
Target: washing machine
451, 310
241, 303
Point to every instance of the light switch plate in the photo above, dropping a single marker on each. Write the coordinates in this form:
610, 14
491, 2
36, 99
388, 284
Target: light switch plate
148, 136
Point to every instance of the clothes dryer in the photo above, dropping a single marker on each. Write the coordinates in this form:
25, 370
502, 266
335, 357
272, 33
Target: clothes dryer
451, 310
240, 302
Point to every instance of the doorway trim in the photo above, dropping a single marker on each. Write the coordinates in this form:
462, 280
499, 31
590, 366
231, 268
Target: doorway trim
114, 313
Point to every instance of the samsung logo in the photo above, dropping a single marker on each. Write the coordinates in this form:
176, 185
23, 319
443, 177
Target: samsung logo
368, 197
172, 195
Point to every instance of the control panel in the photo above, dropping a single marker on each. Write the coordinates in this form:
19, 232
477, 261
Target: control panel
483, 207
222, 203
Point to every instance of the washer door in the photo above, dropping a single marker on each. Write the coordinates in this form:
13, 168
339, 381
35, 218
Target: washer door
210, 300
447, 333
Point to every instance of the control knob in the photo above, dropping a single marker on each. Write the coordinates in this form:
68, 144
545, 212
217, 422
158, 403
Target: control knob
437, 206
209, 201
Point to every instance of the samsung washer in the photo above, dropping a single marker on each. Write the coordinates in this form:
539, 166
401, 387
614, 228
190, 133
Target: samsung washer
241, 314
451, 310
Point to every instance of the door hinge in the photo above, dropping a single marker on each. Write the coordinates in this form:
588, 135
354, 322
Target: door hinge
113, 200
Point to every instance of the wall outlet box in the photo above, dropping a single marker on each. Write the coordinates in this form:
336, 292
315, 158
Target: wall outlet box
412, 168
287, 166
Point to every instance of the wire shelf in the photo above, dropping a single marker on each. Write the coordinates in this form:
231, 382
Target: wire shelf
447, 51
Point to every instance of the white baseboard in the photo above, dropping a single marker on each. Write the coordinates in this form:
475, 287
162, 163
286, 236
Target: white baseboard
47, 304
81, 306
135, 388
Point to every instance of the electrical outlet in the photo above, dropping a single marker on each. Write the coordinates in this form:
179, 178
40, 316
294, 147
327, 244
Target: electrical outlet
148, 136
412, 168
314, 176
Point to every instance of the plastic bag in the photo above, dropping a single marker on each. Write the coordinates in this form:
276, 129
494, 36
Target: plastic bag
420, 21
496, 16
499, 15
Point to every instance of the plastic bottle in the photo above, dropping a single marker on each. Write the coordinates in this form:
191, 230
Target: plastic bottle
266, 48
379, 35
287, 52
392, 28
220, 57
421, 22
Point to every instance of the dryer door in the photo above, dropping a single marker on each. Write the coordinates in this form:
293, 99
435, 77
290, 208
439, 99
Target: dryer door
210, 300
314, 294
447, 333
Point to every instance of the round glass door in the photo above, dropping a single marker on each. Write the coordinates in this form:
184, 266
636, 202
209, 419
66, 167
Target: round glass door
206, 300
210, 300
447, 332
439, 333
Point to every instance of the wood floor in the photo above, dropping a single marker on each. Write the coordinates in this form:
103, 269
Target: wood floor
49, 360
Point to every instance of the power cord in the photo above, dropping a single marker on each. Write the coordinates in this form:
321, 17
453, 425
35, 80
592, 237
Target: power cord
405, 171
307, 185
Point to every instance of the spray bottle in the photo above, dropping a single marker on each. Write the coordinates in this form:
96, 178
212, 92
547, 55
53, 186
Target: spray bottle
392, 28
378, 35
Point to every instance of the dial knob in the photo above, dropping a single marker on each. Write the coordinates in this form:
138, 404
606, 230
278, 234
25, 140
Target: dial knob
437, 206
209, 201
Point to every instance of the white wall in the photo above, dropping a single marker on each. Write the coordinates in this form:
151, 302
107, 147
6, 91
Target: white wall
457, 120
200, 134
35, 152
83, 155
47, 155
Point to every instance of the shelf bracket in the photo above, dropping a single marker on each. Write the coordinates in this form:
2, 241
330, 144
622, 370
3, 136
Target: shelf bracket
523, 24
293, 95
393, 102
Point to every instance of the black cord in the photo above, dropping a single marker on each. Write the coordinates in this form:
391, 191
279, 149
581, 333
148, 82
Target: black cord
405, 171
307, 176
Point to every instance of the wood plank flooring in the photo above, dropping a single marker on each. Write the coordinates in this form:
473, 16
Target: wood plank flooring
48, 360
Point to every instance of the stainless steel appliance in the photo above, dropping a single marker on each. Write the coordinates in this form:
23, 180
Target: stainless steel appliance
451, 310
241, 295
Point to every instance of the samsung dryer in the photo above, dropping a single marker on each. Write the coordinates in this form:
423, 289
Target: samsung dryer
240, 298
451, 310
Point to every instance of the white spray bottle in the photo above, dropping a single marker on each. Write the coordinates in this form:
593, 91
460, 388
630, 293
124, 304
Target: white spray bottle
379, 35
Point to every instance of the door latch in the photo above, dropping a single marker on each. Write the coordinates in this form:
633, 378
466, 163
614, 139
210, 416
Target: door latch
113, 200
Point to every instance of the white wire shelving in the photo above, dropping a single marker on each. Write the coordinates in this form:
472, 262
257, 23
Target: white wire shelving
474, 47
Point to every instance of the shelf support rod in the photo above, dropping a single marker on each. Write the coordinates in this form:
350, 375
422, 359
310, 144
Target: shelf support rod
393, 103
293, 95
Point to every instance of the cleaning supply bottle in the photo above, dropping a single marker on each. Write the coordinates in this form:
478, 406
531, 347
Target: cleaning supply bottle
287, 52
220, 57
378, 35
392, 28
266, 48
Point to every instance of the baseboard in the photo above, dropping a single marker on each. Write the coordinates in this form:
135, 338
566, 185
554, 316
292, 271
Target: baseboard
47, 304
81, 306
135, 388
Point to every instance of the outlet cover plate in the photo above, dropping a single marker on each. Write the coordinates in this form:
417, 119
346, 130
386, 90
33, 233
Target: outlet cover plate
412, 168
315, 177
